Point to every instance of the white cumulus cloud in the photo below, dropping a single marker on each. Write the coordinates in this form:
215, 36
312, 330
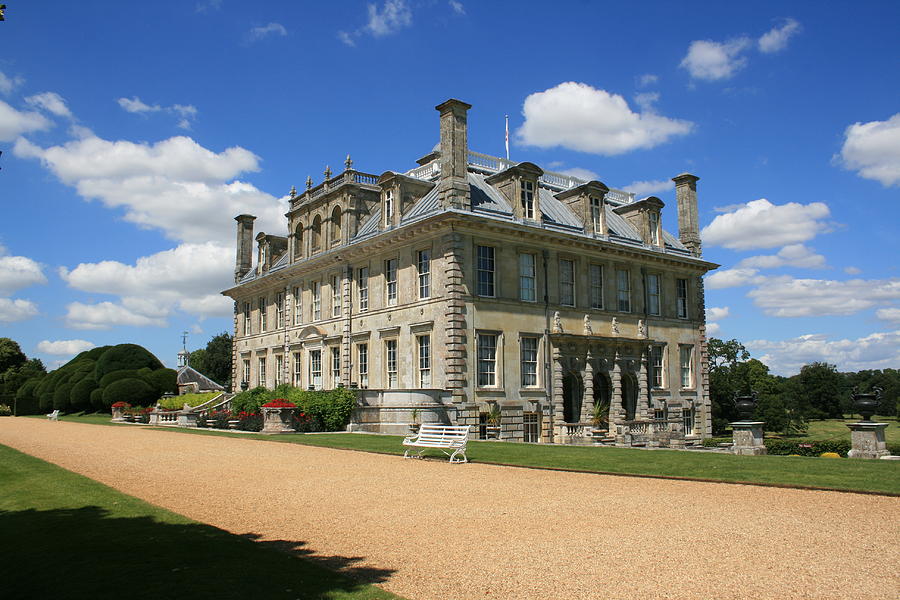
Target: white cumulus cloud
790, 297
761, 224
891, 315
647, 79
776, 39
876, 351
650, 187
263, 31
457, 7
8, 84
135, 105
17, 272
726, 278
581, 173
873, 150
64, 347
717, 313
579, 117
12, 310
51, 102
106, 315
794, 255
712, 61
14, 123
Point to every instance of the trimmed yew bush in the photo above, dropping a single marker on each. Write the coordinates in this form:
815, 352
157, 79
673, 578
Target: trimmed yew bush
80, 395
124, 356
136, 392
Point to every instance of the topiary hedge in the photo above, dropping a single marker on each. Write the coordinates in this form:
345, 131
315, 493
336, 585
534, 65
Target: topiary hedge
136, 392
327, 410
80, 395
124, 356
26, 400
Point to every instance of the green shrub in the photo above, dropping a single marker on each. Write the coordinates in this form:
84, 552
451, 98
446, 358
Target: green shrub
93, 354
114, 376
165, 381
5, 411
97, 399
190, 399
26, 400
715, 441
45, 402
807, 447
136, 392
61, 396
894, 449
250, 400
122, 357
328, 410
80, 395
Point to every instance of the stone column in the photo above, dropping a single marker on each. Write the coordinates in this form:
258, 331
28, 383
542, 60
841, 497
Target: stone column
643, 400
616, 411
587, 402
557, 400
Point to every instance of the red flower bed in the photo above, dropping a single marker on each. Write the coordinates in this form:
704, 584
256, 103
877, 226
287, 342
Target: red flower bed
121, 405
279, 403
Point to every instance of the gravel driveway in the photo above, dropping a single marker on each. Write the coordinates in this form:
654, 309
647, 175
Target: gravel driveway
483, 531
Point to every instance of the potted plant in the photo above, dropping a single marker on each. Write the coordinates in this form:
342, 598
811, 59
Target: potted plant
278, 416
414, 421
118, 411
492, 429
600, 419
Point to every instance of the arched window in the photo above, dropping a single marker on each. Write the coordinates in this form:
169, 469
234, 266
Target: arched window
316, 234
336, 225
298, 241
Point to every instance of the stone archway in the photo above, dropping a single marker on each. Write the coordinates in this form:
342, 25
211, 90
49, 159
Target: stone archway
573, 395
629, 395
603, 392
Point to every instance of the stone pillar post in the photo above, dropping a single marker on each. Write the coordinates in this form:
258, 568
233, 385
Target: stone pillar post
616, 410
748, 438
455, 363
587, 402
557, 400
867, 440
643, 403
703, 416
235, 376
346, 315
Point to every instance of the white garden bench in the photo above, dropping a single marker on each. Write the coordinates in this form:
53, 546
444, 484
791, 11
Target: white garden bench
54, 416
442, 437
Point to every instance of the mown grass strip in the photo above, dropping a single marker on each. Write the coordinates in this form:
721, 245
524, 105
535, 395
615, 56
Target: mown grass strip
68, 536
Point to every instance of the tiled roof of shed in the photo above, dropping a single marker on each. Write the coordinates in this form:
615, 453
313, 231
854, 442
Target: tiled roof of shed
188, 374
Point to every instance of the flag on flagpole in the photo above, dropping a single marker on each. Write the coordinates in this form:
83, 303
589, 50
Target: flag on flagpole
507, 137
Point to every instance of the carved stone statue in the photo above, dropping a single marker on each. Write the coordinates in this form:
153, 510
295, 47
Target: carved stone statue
557, 323
615, 326
642, 328
587, 325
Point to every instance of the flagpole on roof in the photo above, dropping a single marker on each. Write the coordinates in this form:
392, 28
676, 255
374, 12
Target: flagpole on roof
507, 137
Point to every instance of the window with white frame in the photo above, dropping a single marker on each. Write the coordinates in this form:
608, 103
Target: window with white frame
315, 369
298, 369
298, 305
362, 360
261, 372
335, 366
652, 294
317, 300
596, 286
687, 366
423, 265
657, 378
531, 427
245, 378
623, 291
567, 282
335, 296
388, 207
529, 360
527, 199
362, 278
247, 319
262, 313
681, 289
390, 355
687, 420
279, 369
527, 277
654, 227
596, 207
487, 359
390, 281
279, 310
485, 271
424, 345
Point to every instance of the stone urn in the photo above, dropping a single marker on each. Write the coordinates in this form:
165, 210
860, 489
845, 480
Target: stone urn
278, 416
745, 406
866, 404
118, 413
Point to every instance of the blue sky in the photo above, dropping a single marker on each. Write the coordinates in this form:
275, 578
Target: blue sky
132, 133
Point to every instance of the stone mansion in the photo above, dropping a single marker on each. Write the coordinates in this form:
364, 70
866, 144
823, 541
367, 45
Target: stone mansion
473, 283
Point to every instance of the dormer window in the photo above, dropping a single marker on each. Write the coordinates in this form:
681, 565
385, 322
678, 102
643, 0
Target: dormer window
389, 206
654, 228
527, 199
596, 208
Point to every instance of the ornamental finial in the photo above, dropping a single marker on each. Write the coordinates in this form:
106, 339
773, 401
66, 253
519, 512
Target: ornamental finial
348, 163
308, 181
293, 192
327, 172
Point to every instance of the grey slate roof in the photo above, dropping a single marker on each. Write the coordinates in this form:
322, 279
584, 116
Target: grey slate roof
370, 226
556, 212
619, 226
485, 198
428, 204
188, 374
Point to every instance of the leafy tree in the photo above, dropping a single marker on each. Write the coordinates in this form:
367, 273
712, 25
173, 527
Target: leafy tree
818, 388
11, 354
198, 360
217, 362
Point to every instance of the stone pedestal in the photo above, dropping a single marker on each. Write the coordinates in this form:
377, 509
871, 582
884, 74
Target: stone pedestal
187, 419
867, 440
277, 420
118, 414
748, 438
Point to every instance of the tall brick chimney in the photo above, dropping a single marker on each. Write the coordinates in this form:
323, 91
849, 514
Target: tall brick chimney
454, 190
244, 258
688, 221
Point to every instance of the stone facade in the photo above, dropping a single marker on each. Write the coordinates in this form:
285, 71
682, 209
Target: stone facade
471, 282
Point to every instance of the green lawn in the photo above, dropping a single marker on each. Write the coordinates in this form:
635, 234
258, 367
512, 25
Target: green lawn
835, 428
880, 476
67, 536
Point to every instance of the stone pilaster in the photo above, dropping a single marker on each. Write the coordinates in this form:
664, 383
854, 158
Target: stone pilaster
286, 340
557, 399
616, 410
587, 402
643, 403
511, 423
455, 315
703, 408
346, 315
235, 374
